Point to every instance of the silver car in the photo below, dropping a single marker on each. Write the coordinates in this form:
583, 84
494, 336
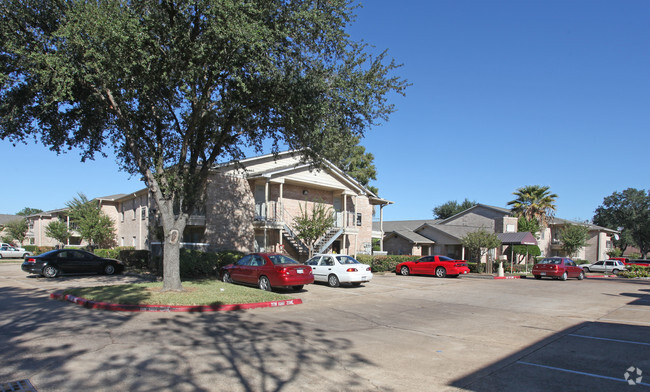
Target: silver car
9, 252
607, 266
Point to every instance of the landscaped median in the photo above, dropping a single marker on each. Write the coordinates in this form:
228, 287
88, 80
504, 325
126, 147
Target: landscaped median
197, 296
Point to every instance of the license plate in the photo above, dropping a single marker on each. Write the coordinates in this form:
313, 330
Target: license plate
300, 271
363, 277
542, 273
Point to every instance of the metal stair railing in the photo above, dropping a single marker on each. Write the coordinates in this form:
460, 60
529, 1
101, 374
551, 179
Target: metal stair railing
331, 240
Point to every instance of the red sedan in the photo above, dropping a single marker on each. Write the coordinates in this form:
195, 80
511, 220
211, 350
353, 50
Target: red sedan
268, 270
558, 268
439, 266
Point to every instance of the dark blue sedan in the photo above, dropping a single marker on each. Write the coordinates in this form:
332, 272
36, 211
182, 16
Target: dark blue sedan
55, 262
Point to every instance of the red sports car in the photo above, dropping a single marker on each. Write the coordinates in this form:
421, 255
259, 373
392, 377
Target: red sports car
268, 270
439, 266
558, 268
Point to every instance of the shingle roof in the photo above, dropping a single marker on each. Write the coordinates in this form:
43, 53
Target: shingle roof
524, 238
413, 237
6, 218
390, 226
591, 226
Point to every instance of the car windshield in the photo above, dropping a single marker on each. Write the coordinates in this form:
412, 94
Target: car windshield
281, 259
347, 260
551, 261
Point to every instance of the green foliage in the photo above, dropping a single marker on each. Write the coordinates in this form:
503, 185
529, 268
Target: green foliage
529, 225
614, 252
28, 211
452, 208
311, 228
522, 250
175, 87
58, 230
636, 271
479, 242
629, 210
477, 268
198, 264
534, 202
17, 230
384, 263
633, 256
353, 159
573, 237
92, 224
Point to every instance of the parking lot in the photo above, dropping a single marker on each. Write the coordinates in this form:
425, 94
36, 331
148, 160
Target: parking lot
395, 333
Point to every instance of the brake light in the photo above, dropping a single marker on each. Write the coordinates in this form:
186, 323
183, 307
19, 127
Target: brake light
460, 265
369, 269
351, 270
30, 260
283, 271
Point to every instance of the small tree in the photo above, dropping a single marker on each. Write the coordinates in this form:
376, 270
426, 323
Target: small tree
58, 230
480, 242
17, 230
452, 208
311, 228
28, 211
93, 225
573, 237
529, 225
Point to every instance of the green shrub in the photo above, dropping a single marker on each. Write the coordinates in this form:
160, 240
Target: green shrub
580, 261
31, 248
636, 271
199, 264
477, 268
384, 263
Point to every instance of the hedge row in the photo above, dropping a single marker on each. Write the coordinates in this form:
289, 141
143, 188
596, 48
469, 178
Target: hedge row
384, 263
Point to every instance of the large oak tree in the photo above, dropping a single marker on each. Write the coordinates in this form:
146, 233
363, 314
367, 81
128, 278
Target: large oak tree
177, 86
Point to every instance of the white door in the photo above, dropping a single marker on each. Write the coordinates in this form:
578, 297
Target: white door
338, 214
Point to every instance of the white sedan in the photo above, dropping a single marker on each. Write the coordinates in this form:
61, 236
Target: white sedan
607, 266
336, 269
9, 252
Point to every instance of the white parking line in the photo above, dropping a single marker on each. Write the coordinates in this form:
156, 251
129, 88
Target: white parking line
581, 373
609, 340
624, 321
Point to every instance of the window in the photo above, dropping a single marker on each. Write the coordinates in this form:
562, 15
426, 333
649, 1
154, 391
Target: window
134, 241
246, 260
143, 211
358, 219
121, 212
510, 228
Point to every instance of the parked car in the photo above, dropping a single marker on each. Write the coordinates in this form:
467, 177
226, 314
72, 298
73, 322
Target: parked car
558, 268
268, 270
607, 266
9, 252
336, 269
439, 266
640, 262
61, 261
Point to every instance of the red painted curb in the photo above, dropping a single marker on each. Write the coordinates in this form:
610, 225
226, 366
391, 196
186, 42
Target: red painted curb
508, 277
170, 308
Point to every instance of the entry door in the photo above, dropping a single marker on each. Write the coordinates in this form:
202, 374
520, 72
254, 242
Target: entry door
260, 205
338, 214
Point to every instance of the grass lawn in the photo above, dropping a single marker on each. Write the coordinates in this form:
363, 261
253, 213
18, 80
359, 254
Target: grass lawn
11, 261
203, 292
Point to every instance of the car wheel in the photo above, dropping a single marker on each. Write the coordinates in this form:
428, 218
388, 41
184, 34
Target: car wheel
581, 276
356, 284
50, 271
25, 255
564, 276
297, 288
333, 281
264, 283
538, 277
586, 269
109, 269
615, 271
0, 256
226, 277
404, 271
441, 272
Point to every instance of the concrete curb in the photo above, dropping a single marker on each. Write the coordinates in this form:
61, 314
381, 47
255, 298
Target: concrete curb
169, 308
510, 277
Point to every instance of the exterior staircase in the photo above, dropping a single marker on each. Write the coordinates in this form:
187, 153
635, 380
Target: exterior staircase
328, 239
295, 242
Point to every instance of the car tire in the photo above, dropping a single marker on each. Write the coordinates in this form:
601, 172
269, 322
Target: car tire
50, 271
586, 269
333, 281
0, 256
264, 284
226, 277
25, 255
581, 275
441, 272
564, 276
357, 284
109, 269
538, 277
298, 288
404, 271
615, 271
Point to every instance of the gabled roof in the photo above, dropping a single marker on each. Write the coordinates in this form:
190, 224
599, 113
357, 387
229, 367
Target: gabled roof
413, 237
6, 218
504, 211
403, 225
455, 231
591, 226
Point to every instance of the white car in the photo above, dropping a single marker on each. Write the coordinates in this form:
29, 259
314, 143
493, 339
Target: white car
336, 269
607, 266
9, 252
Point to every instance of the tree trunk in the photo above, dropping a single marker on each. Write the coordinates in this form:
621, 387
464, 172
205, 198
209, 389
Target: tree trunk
173, 228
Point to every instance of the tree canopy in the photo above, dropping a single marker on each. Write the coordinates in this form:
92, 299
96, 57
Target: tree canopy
312, 227
573, 237
28, 211
91, 223
175, 87
534, 202
58, 230
629, 212
16, 230
452, 208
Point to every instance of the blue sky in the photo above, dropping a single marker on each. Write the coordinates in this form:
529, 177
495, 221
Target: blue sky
504, 94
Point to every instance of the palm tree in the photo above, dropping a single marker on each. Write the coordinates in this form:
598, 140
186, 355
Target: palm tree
534, 201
